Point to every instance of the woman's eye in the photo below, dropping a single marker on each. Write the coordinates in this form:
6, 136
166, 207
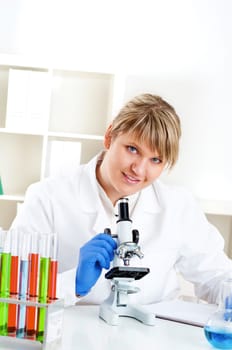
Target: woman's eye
156, 160
132, 149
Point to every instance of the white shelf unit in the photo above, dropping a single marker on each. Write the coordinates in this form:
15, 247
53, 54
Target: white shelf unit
79, 110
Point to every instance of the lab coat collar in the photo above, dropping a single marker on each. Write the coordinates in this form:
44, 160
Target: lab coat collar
149, 200
90, 199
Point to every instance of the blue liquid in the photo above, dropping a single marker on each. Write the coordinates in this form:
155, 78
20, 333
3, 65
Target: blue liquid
218, 338
23, 278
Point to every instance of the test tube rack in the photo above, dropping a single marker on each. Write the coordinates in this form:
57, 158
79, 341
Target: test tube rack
52, 337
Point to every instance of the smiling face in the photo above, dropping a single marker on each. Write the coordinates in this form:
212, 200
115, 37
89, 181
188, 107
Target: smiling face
128, 166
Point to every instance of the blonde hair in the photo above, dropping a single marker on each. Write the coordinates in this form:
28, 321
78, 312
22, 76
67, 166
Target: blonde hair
152, 121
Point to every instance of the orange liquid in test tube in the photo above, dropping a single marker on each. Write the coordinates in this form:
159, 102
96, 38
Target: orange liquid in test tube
13, 308
31, 312
52, 280
53, 269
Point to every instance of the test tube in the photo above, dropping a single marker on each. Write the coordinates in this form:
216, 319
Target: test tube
5, 283
52, 280
33, 276
43, 283
12, 308
23, 280
2, 241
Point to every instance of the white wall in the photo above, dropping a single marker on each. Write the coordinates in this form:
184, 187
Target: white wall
133, 35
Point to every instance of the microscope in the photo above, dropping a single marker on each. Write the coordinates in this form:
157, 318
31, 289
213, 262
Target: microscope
122, 274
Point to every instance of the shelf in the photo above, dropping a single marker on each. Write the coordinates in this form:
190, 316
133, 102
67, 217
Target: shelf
41, 103
19, 60
13, 198
19, 132
68, 135
75, 136
216, 207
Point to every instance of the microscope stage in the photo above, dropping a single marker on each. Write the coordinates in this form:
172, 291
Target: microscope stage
127, 272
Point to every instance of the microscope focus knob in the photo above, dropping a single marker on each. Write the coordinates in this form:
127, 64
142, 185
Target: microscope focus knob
107, 231
135, 235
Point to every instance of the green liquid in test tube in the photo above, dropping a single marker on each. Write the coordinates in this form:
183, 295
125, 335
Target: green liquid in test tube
2, 240
43, 283
5, 283
13, 308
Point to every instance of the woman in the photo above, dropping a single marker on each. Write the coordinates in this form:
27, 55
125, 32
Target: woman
141, 142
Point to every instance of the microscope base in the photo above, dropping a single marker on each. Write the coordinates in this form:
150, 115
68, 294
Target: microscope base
117, 304
111, 315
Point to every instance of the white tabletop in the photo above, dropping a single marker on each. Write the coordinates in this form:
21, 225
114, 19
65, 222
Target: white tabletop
84, 330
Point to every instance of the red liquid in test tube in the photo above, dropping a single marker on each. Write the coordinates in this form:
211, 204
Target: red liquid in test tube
53, 269
33, 274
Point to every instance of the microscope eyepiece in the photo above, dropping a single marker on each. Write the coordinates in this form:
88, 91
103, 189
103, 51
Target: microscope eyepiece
123, 210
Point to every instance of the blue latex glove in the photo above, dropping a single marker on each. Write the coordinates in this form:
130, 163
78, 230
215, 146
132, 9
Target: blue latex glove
95, 255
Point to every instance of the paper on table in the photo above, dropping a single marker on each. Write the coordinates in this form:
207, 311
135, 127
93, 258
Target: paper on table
195, 314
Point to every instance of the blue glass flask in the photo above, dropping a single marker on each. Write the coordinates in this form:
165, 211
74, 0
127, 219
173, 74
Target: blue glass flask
218, 329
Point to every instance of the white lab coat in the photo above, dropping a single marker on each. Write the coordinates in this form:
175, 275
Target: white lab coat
174, 235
